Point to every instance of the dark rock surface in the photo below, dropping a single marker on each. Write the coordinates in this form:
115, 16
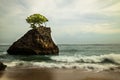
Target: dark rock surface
35, 41
2, 66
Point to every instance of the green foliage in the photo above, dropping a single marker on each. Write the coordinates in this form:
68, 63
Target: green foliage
36, 20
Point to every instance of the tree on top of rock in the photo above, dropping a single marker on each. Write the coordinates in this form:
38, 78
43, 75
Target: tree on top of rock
36, 20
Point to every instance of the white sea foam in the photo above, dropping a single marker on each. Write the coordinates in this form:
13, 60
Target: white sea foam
86, 66
11, 64
110, 58
3, 53
113, 57
97, 63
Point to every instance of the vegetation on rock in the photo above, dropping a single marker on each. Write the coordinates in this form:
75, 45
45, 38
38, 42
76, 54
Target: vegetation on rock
36, 20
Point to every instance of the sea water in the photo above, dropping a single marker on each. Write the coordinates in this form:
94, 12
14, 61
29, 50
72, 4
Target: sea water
78, 56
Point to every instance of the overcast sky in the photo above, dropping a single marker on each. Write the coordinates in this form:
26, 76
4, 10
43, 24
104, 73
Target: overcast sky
71, 21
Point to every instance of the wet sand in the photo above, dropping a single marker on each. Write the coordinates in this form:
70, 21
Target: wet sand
56, 74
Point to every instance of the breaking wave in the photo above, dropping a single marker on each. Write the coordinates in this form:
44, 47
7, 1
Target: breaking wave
107, 58
102, 62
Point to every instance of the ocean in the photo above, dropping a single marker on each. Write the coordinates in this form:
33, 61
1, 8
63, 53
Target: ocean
77, 56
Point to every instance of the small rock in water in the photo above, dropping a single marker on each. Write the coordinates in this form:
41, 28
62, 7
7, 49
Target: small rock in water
2, 66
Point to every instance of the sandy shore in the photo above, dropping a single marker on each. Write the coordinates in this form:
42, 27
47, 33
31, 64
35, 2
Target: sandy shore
56, 74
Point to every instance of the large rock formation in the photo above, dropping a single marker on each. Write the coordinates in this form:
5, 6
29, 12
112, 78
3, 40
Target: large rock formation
2, 66
35, 41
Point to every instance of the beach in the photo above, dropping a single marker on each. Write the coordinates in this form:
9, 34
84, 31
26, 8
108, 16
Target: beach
56, 74
74, 62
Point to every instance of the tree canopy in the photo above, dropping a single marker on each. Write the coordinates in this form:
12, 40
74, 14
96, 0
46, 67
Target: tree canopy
36, 20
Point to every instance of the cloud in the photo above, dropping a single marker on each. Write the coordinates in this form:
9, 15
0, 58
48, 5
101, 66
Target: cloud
66, 17
86, 29
113, 10
101, 29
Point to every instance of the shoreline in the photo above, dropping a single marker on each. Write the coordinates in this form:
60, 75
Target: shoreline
22, 73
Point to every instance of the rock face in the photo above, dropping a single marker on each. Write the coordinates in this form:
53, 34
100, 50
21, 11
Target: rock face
2, 66
35, 41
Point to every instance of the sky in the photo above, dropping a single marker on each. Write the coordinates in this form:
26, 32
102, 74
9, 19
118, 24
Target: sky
71, 21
